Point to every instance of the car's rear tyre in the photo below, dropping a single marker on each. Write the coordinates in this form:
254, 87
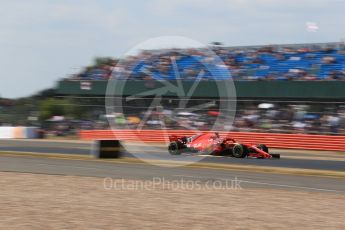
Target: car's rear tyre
239, 151
174, 148
262, 147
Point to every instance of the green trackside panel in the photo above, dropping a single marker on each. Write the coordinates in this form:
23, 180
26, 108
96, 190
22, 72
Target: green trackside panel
203, 88
292, 89
81, 87
244, 89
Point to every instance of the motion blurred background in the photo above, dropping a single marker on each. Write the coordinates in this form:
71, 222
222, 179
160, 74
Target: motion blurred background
287, 62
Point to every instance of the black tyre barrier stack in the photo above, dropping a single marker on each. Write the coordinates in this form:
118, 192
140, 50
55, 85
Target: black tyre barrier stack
107, 149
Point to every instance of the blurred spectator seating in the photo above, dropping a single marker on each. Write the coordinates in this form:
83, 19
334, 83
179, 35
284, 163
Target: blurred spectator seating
294, 62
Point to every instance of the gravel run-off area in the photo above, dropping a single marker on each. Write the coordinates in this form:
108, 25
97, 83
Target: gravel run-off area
37, 201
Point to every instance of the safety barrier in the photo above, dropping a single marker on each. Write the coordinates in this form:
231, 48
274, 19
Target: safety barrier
288, 141
10, 132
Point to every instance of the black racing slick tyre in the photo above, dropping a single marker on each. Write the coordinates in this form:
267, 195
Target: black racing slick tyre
262, 147
239, 151
174, 148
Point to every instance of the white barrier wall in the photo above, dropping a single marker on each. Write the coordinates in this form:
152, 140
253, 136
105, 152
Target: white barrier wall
6, 132
17, 132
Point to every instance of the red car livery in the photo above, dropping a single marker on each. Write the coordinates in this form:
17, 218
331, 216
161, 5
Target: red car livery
213, 144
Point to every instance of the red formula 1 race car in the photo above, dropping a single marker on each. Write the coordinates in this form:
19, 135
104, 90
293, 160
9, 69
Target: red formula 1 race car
213, 144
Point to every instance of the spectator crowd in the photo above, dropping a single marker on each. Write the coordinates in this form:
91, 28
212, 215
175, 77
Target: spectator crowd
313, 62
290, 62
272, 117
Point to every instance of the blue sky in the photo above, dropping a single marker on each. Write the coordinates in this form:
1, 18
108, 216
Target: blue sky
42, 41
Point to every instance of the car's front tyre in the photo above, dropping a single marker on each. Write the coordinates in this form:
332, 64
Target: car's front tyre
262, 147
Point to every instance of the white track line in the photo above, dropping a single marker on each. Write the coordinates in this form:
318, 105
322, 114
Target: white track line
291, 186
268, 184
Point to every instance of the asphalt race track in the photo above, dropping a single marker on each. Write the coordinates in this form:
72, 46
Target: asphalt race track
119, 170
289, 158
140, 171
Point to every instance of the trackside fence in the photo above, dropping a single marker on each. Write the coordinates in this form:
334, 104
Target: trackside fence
273, 140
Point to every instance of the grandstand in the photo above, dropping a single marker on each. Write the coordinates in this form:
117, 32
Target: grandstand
280, 62
301, 83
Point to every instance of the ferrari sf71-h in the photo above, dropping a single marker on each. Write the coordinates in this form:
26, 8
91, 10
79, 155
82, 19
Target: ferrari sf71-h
213, 144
